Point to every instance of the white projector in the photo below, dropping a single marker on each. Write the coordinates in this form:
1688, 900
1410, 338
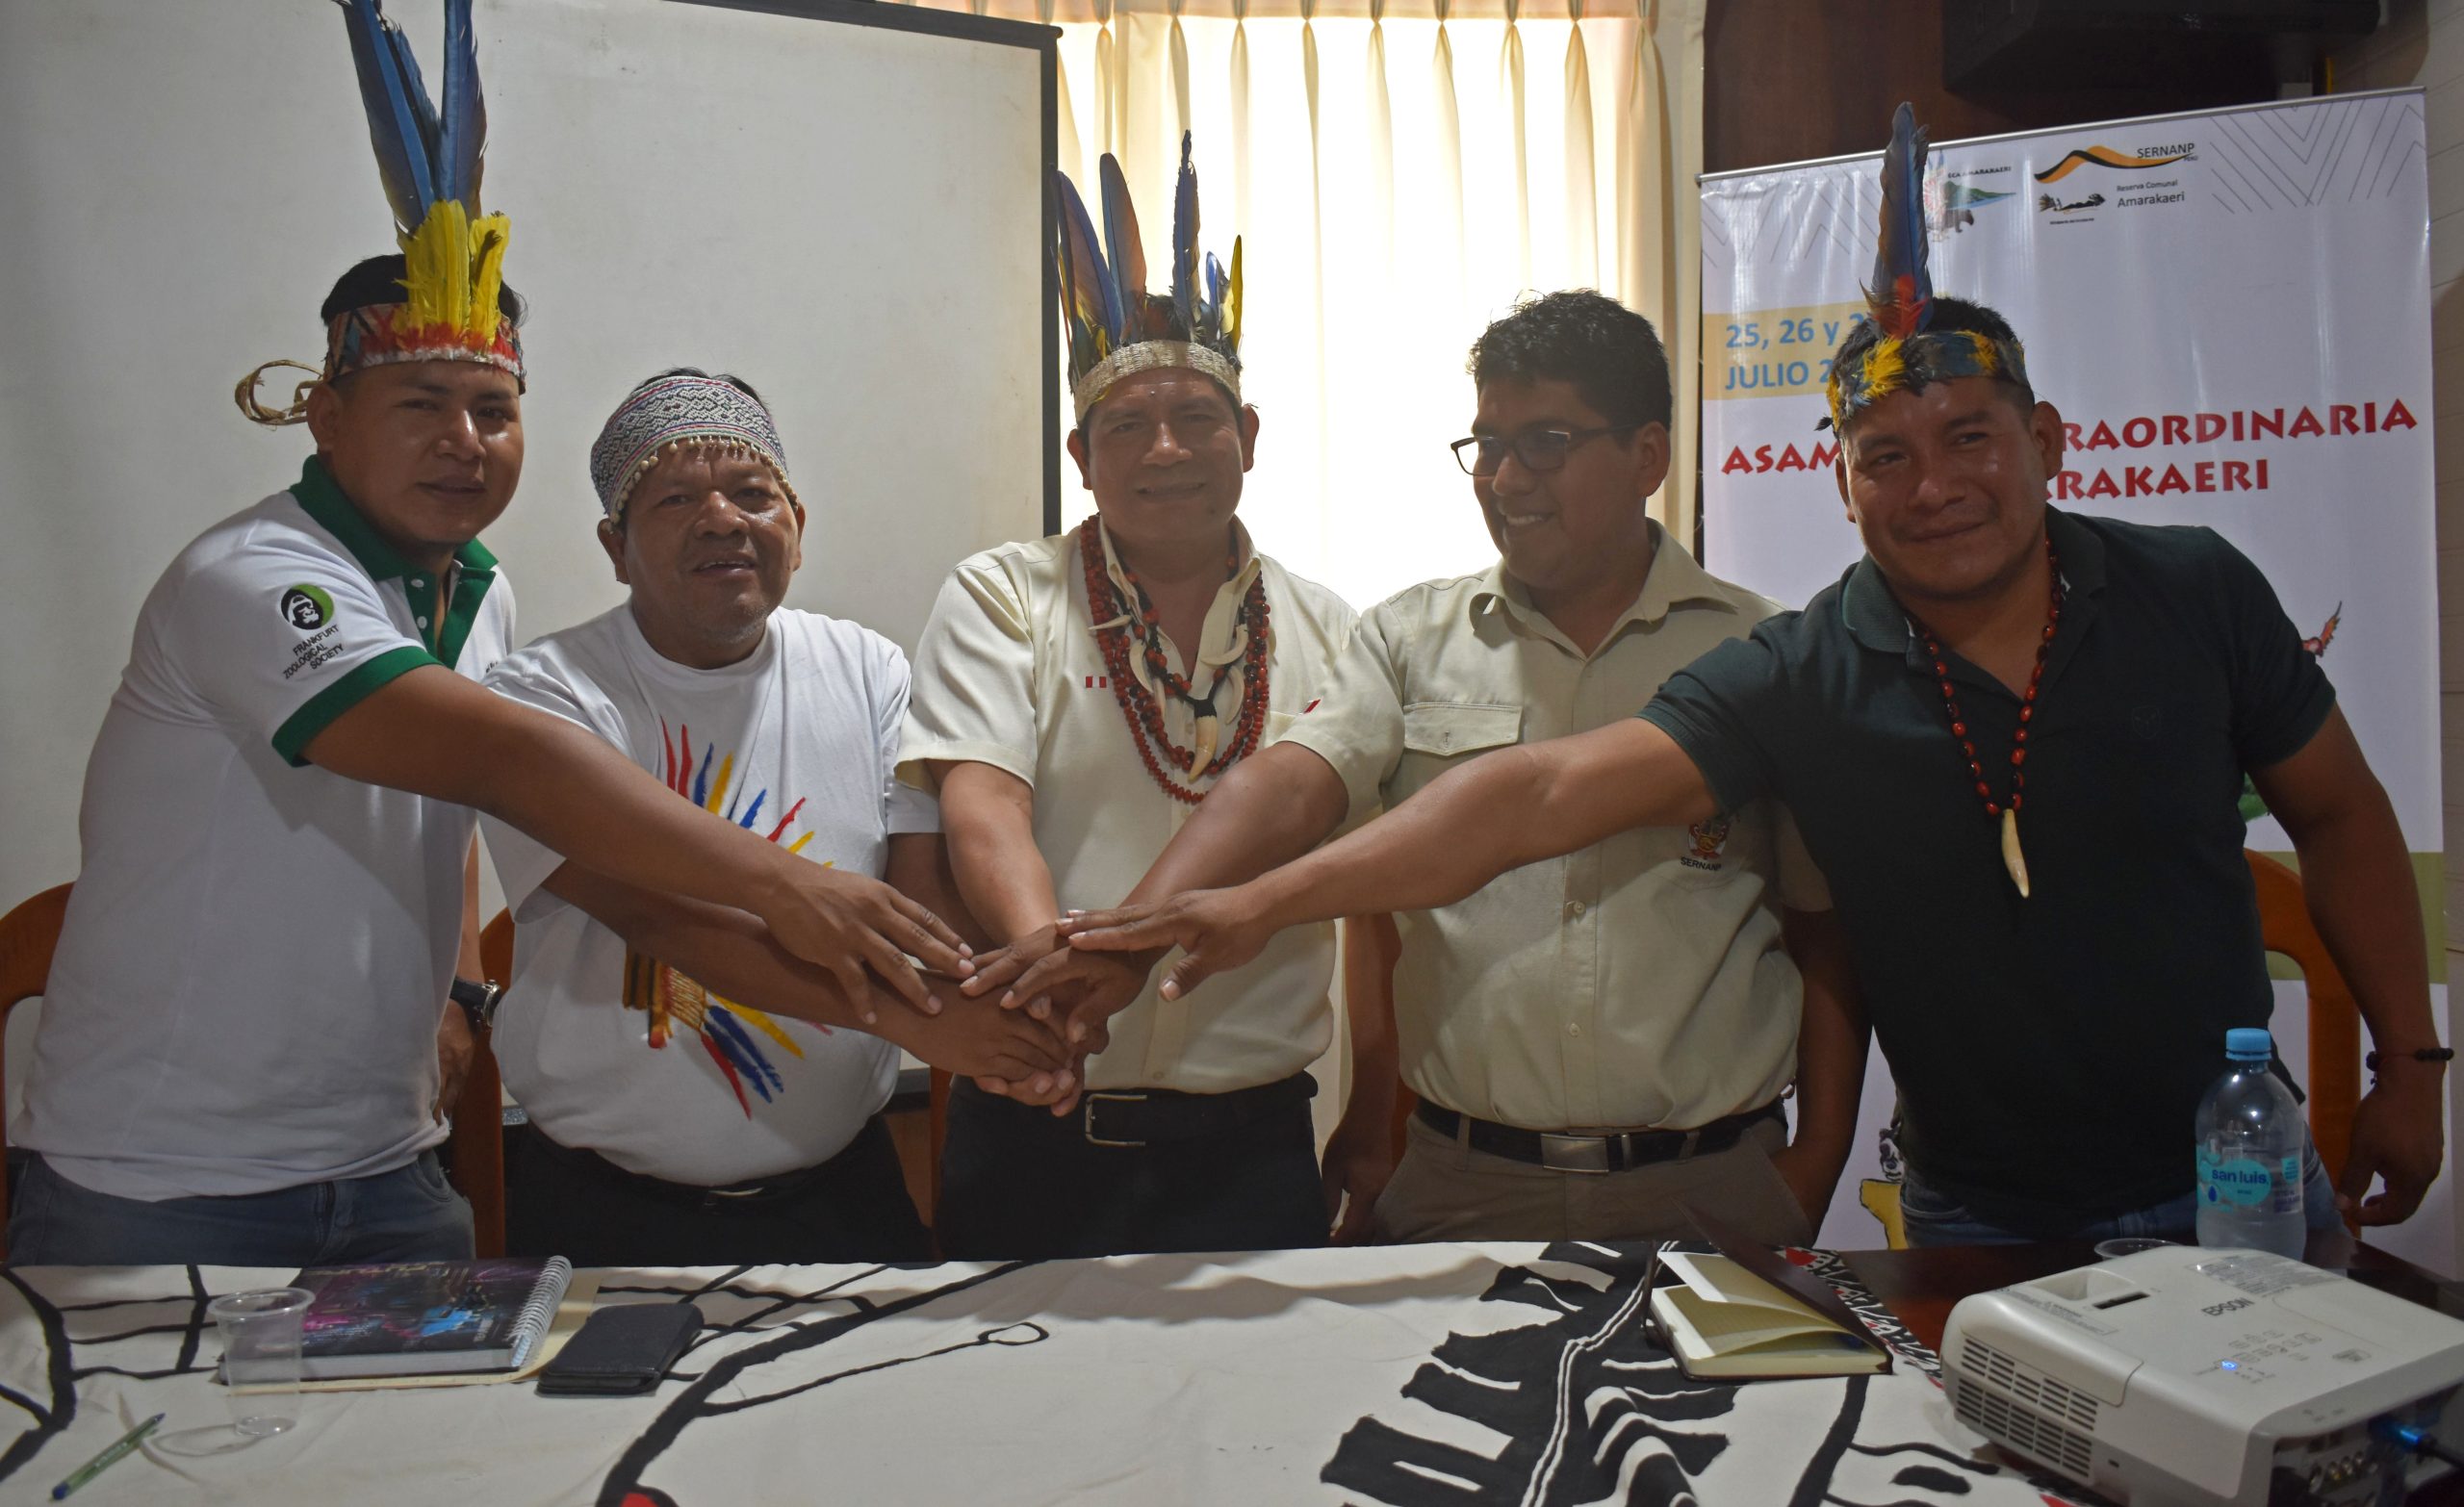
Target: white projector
2188, 1376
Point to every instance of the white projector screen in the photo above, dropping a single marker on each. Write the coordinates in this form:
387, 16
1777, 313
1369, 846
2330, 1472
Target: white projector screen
843, 202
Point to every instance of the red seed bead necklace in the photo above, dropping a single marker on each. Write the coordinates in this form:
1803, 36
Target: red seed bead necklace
1139, 706
2007, 812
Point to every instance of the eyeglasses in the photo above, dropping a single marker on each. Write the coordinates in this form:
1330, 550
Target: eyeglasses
1539, 450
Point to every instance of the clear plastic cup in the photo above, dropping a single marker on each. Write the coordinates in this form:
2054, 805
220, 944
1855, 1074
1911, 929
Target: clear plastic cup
261, 1357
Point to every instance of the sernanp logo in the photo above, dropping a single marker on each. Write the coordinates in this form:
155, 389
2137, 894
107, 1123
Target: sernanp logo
305, 606
2103, 156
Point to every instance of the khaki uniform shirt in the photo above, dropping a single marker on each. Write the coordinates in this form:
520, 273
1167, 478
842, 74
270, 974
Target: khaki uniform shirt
1010, 674
1640, 981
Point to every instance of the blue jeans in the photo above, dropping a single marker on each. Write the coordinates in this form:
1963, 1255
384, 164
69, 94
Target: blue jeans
1935, 1218
410, 1213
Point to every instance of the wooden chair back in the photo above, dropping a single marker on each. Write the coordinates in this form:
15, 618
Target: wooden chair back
27, 933
477, 1145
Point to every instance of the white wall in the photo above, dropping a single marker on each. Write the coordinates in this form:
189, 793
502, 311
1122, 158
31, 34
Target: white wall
850, 217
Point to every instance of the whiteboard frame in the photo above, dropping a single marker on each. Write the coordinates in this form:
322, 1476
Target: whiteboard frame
965, 26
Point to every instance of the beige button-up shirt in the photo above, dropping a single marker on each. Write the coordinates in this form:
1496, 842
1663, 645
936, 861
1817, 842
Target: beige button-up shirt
1637, 982
1010, 674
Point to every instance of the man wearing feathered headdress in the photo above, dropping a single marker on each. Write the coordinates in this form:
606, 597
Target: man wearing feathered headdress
1075, 698
240, 1057
1596, 1039
2014, 738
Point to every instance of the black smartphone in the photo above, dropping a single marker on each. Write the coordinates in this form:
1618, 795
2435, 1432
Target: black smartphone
622, 1350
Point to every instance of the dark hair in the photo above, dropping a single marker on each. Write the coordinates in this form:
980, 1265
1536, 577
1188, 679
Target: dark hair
1611, 354
379, 279
1948, 314
729, 377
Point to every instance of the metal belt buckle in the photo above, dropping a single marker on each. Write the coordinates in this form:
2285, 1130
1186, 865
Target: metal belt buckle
1573, 1153
1086, 1117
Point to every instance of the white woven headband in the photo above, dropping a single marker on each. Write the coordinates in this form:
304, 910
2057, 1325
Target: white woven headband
679, 411
1151, 355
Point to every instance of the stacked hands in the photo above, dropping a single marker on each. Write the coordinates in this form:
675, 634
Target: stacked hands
912, 981
1020, 1020
1076, 974
1089, 965
1042, 979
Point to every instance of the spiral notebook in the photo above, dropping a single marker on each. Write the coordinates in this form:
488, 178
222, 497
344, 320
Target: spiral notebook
406, 1319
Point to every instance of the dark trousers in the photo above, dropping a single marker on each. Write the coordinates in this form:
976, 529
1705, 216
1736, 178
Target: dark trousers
564, 1201
410, 1213
1019, 1183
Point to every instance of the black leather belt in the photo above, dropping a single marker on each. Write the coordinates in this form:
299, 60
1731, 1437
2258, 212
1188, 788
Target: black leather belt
1616, 1151
761, 1190
1136, 1116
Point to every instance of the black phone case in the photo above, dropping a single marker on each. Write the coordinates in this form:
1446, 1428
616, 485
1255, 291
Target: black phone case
621, 1351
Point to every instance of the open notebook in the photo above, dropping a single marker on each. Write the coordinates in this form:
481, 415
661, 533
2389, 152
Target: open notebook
1744, 1313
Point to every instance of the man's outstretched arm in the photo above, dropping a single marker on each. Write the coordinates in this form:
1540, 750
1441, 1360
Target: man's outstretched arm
731, 953
1500, 811
431, 732
1273, 806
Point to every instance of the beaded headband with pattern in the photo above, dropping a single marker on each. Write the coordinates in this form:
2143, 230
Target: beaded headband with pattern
677, 412
1115, 326
1900, 300
429, 157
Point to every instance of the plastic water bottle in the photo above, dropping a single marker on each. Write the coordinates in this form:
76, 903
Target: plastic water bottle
2250, 1139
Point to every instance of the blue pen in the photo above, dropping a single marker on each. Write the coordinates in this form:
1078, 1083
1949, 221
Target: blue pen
96, 1467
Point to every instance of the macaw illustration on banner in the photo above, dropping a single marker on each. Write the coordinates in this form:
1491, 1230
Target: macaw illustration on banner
2230, 310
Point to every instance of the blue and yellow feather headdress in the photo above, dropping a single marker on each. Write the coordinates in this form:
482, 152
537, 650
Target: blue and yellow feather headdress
1899, 301
429, 157
1115, 326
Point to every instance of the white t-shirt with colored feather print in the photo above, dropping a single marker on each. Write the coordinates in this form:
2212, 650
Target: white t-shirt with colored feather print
797, 742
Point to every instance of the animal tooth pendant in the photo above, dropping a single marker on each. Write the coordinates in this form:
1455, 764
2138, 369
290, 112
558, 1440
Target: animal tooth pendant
2011, 859
1210, 728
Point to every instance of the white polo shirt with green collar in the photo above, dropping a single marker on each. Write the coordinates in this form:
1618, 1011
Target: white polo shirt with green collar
247, 991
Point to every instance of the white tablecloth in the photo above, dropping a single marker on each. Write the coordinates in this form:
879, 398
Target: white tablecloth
1400, 1375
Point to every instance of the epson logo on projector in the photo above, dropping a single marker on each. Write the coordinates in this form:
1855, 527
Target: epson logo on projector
2218, 1310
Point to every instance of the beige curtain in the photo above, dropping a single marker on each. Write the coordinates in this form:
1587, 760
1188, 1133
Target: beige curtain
1400, 172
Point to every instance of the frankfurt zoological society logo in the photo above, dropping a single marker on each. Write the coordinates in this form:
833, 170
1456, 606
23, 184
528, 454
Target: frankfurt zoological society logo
306, 608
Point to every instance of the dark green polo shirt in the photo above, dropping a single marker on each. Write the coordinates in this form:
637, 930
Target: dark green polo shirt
2050, 1052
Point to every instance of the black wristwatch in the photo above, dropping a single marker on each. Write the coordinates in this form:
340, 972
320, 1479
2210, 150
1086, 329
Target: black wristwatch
2418, 1054
478, 1002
